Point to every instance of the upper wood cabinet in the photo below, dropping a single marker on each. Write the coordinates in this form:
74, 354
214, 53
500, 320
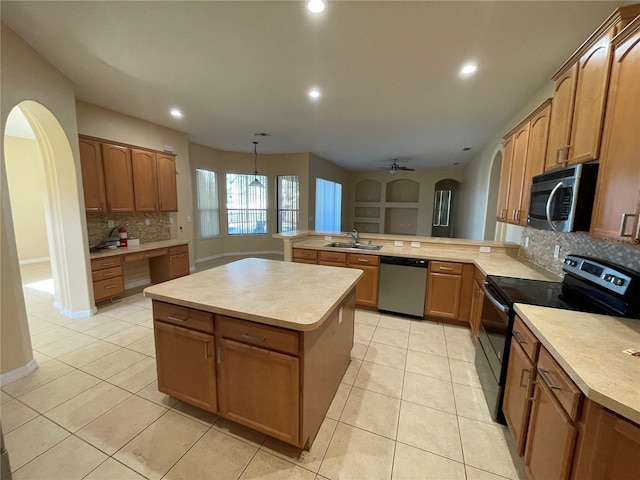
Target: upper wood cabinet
580, 95
523, 157
95, 197
123, 178
118, 178
616, 212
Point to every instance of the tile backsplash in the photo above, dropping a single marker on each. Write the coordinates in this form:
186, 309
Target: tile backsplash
542, 244
159, 227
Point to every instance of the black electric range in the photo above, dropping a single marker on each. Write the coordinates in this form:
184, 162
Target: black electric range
589, 285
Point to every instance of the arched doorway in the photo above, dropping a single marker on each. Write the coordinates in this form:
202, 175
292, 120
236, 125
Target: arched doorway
492, 200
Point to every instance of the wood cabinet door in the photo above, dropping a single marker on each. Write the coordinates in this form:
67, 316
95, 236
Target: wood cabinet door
145, 181
517, 406
167, 191
516, 176
591, 94
118, 178
186, 365
616, 211
561, 117
505, 173
95, 197
551, 437
536, 154
367, 286
178, 265
443, 295
476, 308
260, 388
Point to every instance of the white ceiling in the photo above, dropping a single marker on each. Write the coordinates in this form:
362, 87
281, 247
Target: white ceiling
388, 71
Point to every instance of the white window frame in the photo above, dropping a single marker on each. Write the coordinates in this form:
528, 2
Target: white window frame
207, 203
247, 206
328, 202
288, 202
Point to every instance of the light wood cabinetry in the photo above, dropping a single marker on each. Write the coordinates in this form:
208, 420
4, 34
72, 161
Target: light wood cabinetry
616, 212
450, 291
172, 263
106, 274
580, 95
123, 178
303, 255
367, 287
334, 259
118, 178
477, 302
523, 157
95, 197
523, 356
185, 354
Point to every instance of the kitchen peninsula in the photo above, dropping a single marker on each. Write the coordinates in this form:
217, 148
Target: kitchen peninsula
263, 343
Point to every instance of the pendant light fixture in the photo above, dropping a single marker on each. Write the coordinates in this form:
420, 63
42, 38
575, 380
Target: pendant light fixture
255, 183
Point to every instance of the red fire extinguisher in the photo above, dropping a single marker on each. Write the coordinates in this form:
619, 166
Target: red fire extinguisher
123, 236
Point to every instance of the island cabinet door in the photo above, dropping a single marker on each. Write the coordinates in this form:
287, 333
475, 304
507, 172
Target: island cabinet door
259, 388
186, 365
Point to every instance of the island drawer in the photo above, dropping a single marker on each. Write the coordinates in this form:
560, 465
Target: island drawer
106, 273
445, 267
132, 257
335, 257
526, 339
107, 262
183, 316
563, 388
360, 259
305, 254
273, 338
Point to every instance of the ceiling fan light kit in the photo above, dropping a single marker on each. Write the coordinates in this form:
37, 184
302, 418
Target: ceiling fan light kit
395, 168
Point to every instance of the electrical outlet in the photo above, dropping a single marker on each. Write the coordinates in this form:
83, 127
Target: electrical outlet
328, 238
398, 243
415, 244
111, 223
189, 219
526, 242
485, 249
147, 222
171, 220
556, 251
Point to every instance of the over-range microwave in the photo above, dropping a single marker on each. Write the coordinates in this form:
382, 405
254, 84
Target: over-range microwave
562, 200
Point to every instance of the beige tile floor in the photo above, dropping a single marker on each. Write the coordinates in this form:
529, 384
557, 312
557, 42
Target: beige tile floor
409, 407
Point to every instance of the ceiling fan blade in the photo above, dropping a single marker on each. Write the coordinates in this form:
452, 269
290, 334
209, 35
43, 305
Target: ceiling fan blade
407, 168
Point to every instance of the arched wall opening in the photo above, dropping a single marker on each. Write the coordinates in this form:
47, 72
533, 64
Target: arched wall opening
445, 201
492, 200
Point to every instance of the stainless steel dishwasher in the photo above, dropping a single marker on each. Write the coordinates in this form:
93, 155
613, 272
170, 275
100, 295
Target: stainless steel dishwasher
403, 286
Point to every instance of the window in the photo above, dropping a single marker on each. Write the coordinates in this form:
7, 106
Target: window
328, 205
441, 208
207, 197
246, 206
288, 203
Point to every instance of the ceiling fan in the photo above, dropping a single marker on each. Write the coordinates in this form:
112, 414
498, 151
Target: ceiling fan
395, 168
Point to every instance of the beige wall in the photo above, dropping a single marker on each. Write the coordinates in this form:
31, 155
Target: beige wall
223, 162
321, 168
26, 188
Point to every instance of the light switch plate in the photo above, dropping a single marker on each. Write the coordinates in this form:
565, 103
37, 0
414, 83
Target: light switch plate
147, 222
398, 243
327, 238
526, 242
111, 223
415, 244
485, 249
189, 219
170, 219
556, 251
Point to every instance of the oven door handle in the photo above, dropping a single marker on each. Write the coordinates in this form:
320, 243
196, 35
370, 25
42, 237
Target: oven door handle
485, 288
547, 209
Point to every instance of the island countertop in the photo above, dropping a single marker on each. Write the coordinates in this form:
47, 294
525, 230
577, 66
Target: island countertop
283, 294
590, 349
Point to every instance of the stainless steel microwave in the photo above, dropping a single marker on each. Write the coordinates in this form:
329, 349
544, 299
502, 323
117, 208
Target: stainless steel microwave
562, 200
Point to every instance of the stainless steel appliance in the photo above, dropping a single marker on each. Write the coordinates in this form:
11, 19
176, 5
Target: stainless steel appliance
562, 200
403, 286
589, 285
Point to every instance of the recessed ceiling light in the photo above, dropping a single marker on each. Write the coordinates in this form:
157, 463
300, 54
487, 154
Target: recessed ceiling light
314, 93
315, 6
175, 113
468, 69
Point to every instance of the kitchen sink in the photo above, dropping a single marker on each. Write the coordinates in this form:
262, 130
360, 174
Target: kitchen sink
355, 246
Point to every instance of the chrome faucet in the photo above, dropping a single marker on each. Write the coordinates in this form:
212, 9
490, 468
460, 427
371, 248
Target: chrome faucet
355, 235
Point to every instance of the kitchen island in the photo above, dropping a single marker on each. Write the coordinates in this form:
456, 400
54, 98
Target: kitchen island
263, 343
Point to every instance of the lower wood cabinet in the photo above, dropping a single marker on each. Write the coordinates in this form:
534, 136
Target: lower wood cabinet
259, 388
304, 255
185, 361
106, 274
367, 287
449, 291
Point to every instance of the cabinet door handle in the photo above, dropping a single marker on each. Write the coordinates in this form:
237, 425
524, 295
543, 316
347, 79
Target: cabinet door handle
560, 159
101, 207
522, 372
218, 354
109, 206
535, 391
363, 260
623, 224
518, 338
206, 350
176, 318
108, 264
545, 376
253, 338
446, 268
108, 274
108, 287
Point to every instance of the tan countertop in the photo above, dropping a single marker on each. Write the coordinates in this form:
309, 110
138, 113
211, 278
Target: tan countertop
590, 349
265, 291
489, 263
143, 247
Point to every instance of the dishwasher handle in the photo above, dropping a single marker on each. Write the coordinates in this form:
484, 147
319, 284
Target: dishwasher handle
404, 261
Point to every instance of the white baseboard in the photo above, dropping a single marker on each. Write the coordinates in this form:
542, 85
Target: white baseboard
75, 314
34, 260
238, 254
18, 373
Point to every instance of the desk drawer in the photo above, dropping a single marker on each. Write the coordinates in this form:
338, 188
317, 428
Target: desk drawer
266, 336
179, 249
183, 316
106, 262
132, 257
106, 273
445, 267
111, 287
